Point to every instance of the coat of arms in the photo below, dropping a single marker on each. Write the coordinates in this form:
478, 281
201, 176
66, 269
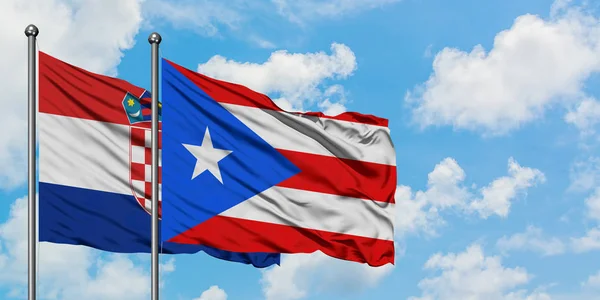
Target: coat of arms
140, 153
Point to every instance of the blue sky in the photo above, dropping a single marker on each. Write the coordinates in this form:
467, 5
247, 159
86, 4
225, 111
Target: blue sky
493, 109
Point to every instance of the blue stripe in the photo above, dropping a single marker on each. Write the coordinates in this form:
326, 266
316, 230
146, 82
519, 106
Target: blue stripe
115, 223
146, 94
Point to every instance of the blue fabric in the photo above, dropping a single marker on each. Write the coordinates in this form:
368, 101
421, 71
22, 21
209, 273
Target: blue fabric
115, 223
252, 167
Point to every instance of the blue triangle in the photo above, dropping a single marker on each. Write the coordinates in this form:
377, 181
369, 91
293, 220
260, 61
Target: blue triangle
252, 167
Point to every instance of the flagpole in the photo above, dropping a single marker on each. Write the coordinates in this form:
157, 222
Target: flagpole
154, 39
31, 32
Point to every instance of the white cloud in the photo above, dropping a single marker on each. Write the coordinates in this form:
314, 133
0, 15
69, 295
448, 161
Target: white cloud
532, 66
473, 275
420, 212
585, 174
524, 295
593, 205
301, 274
296, 78
67, 271
589, 290
213, 293
240, 17
202, 16
585, 116
261, 42
333, 100
496, 197
90, 34
446, 191
302, 11
593, 281
167, 266
117, 278
589, 242
533, 240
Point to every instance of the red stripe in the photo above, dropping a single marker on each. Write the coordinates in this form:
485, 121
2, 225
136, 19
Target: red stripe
138, 134
147, 125
239, 235
344, 177
148, 190
226, 92
148, 156
138, 172
71, 91
138, 137
159, 142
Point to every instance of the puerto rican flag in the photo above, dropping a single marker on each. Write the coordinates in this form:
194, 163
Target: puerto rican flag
94, 165
240, 174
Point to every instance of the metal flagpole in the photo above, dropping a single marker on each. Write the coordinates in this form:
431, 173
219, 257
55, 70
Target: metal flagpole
31, 32
154, 39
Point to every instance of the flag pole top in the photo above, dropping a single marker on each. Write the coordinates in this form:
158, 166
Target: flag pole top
154, 38
32, 30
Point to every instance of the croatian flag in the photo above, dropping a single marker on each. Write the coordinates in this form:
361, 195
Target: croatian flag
94, 164
241, 174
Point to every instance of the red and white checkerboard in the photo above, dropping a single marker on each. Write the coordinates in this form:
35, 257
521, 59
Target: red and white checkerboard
140, 162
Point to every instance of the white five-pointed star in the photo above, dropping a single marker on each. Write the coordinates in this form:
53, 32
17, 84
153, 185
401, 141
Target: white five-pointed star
207, 157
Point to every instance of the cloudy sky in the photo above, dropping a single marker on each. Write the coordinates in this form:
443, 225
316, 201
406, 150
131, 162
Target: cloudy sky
494, 111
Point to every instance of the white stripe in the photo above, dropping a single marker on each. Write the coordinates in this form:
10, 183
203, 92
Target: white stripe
69, 155
138, 154
68, 145
147, 138
139, 187
84, 153
311, 210
322, 136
